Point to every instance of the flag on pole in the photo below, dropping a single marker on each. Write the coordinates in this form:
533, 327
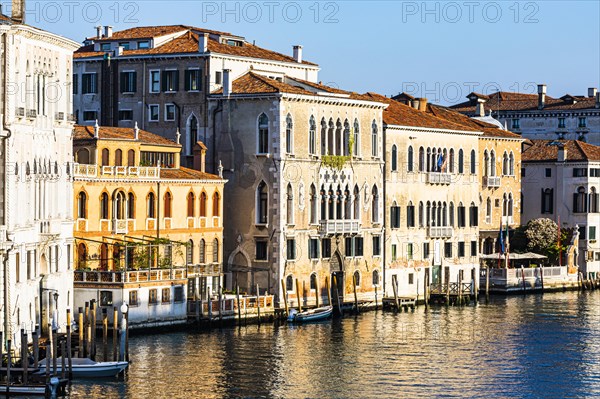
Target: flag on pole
440, 162
507, 245
558, 243
501, 234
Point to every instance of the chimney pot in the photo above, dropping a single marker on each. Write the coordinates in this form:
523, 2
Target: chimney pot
136, 131
298, 53
415, 103
227, 83
96, 130
422, 105
199, 161
592, 92
108, 31
203, 42
18, 11
480, 110
99, 32
541, 96
562, 154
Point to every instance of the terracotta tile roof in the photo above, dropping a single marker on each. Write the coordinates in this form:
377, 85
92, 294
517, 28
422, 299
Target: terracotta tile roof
5, 18
505, 101
188, 43
402, 115
121, 133
186, 174
148, 32
488, 129
547, 151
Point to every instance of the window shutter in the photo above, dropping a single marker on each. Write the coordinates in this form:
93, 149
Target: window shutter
122, 82
134, 81
575, 203
176, 80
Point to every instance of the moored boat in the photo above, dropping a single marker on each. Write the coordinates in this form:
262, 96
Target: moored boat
87, 368
317, 314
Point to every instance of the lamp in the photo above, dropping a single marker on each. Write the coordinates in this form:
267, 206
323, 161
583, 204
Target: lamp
124, 308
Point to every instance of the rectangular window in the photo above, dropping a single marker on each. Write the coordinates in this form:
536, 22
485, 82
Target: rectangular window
261, 250
548, 172
411, 278
395, 217
326, 247
409, 251
313, 248
579, 172
90, 116
143, 44
376, 245
125, 45
89, 83
461, 249
358, 246
349, 243
460, 212
178, 293
133, 298
105, 47
169, 112
394, 252
582, 121
548, 200
561, 123
218, 77
128, 82
192, 80
166, 295
592, 234
154, 81
125, 115
153, 112
290, 249
594, 172
516, 123
448, 249
473, 216
75, 84
153, 296
170, 81
425, 250
582, 231
410, 216
473, 248
106, 298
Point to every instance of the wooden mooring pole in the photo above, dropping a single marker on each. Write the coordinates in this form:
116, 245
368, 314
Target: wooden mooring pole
542, 278
105, 334
328, 291
24, 357
69, 345
93, 328
298, 296
317, 291
487, 284
355, 295
395, 288
337, 294
115, 333
258, 302
239, 308
8, 363
63, 359
36, 347
285, 298
80, 330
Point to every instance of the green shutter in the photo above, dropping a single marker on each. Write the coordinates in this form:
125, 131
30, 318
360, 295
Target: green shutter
187, 75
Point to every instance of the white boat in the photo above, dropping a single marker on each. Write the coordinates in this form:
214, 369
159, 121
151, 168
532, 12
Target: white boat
317, 314
25, 390
87, 368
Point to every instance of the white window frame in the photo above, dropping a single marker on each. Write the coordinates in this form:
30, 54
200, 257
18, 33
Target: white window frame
128, 71
167, 105
150, 106
150, 72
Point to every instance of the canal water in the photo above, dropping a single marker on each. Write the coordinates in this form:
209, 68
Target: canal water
517, 347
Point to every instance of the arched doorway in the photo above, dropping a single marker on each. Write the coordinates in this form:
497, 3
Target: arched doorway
337, 280
241, 273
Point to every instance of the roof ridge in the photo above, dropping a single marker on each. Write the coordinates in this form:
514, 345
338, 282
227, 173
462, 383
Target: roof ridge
264, 79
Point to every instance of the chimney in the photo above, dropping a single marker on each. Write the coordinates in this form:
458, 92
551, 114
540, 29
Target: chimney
541, 96
178, 137
298, 53
227, 84
415, 103
136, 132
422, 104
119, 51
96, 130
99, 32
480, 109
199, 152
203, 42
18, 11
562, 153
592, 92
598, 100
108, 31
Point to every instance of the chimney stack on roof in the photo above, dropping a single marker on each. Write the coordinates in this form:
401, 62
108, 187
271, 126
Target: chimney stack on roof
227, 83
480, 109
136, 132
96, 130
99, 32
562, 153
541, 96
592, 92
108, 31
199, 152
415, 103
298, 53
18, 11
422, 104
202, 42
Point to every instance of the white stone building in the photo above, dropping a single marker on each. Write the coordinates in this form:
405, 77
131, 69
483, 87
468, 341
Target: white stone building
561, 181
36, 225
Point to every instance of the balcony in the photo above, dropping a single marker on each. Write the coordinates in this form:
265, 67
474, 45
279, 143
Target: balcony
440, 232
439, 178
20, 112
342, 226
129, 276
94, 171
210, 269
492, 181
59, 116
50, 227
119, 226
507, 220
71, 118
31, 113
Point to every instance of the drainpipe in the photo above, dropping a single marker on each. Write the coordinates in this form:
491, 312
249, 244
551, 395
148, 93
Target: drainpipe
144, 111
214, 143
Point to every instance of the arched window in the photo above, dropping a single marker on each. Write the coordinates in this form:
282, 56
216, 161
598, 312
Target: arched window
331, 204
312, 136
510, 206
451, 161
504, 205
488, 210
338, 138
505, 164
105, 157
338, 203
347, 204
428, 164
394, 158
104, 256
151, 206
374, 139
116, 256
168, 204
202, 251
356, 198
203, 199
451, 214
191, 199
357, 278
486, 163
82, 205
428, 214
83, 156
579, 201
261, 203
215, 254
119, 205
356, 137
216, 203
289, 283
375, 277
192, 135
130, 206
331, 138
290, 204
104, 206
421, 159
346, 150
492, 163
263, 134
81, 256
313, 281
421, 215
461, 161
118, 157
131, 158
313, 204
593, 200
289, 135
473, 162
323, 203
410, 159
189, 252
511, 164
375, 205
323, 137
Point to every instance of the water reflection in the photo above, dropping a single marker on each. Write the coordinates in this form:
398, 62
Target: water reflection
513, 347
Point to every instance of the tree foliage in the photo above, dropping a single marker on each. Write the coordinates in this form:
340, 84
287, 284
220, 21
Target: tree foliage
541, 235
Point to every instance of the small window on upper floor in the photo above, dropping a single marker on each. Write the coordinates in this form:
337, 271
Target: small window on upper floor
143, 44
516, 124
125, 45
218, 77
105, 47
582, 121
548, 172
561, 123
